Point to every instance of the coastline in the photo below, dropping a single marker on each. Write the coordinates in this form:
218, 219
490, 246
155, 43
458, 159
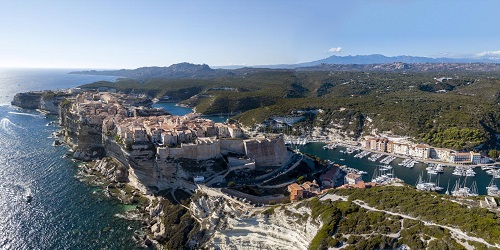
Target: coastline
122, 193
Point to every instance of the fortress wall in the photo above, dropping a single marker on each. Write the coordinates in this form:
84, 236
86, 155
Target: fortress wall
232, 146
203, 151
267, 152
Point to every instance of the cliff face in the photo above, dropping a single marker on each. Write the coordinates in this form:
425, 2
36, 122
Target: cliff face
232, 224
47, 101
30, 100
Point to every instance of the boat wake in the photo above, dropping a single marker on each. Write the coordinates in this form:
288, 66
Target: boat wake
19, 193
27, 114
7, 125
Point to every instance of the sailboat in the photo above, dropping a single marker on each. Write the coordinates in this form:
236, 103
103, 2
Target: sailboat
429, 185
463, 190
448, 188
492, 188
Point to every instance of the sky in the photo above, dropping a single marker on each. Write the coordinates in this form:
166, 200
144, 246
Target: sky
115, 34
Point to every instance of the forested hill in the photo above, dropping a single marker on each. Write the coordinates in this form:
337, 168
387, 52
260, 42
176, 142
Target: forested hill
203, 71
459, 110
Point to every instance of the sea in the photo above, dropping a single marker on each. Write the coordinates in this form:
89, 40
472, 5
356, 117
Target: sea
175, 109
64, 213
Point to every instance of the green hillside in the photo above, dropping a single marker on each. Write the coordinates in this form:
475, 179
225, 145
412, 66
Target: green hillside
459, 113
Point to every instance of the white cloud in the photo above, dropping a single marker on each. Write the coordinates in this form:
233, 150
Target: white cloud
335, 49
495, 53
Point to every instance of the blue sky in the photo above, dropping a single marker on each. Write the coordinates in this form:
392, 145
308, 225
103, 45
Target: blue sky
131, 34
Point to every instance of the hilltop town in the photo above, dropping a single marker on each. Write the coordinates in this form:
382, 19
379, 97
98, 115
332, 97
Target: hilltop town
161, 150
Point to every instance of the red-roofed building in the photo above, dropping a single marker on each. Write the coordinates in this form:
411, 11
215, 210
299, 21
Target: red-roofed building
296, 192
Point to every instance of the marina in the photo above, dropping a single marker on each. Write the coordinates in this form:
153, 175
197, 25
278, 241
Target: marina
375, 157
349, 170
362, 154
428, 185
461, 190
407, 170
388, 159
330, 146
492, 188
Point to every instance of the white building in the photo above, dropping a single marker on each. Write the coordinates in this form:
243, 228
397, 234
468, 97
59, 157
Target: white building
352, 179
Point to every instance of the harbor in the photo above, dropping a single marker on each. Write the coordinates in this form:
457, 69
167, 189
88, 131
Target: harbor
406, 169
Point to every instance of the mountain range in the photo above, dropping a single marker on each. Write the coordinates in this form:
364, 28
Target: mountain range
373, 59
333, 63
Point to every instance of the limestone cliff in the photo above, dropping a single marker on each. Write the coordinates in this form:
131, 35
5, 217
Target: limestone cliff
47, 101
232, 224
29, 100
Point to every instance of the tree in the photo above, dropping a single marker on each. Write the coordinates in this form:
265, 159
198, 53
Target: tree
494, 154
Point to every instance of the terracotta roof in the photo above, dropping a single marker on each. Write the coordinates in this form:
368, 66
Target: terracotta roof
295, 186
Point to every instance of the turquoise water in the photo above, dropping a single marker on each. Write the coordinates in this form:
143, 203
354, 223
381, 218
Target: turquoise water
64, 213
408, 175
178, 110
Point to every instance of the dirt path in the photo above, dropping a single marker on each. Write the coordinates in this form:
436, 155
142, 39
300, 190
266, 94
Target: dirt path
459, 233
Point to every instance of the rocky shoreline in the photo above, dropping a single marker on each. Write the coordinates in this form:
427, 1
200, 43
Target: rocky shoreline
98, 174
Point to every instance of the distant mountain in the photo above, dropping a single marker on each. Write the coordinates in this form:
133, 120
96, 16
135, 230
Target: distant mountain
376, 59
180, 70
406, 67
333, 63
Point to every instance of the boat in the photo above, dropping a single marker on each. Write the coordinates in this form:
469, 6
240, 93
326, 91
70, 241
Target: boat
352, 170
388, 159
350, 150
458, 171
464, 191
330, 146
362, 154
404, 162
381, 177
386, 167
375, 157
410, 164
487, 167
492, 188
470, 172
427, 186
28, 198
432, 171
439, 168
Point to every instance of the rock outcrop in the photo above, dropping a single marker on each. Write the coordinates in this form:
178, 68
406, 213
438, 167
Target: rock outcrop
47, 101
29, 100
231, 224
112, 170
